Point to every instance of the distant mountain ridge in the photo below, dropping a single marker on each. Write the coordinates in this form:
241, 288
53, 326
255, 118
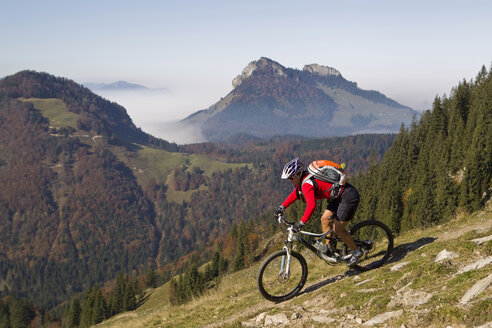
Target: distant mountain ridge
269, 99
118, 85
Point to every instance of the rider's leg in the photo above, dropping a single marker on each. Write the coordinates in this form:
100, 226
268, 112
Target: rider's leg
339, 229
327, 223
347, 205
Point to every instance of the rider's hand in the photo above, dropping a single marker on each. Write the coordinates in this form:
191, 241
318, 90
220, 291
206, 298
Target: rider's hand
298, 227
279, 211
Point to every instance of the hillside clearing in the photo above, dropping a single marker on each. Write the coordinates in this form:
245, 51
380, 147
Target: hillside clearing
55, 110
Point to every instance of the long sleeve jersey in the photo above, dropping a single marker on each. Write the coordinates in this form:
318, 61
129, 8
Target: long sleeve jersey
311, 195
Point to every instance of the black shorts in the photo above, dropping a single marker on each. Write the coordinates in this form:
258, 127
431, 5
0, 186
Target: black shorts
346, 205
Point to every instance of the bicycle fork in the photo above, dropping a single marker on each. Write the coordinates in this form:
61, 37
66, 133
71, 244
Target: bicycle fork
285, 265
284, 273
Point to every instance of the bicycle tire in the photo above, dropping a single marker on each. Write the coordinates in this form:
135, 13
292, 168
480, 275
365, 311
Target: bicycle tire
275, 288
376, 240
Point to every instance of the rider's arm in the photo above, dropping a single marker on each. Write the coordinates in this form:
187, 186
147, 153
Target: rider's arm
308, 192
290, 199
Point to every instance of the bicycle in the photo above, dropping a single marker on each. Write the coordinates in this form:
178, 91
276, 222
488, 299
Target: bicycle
282, 274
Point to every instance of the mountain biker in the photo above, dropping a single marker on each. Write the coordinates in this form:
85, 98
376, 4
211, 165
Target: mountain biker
337, 214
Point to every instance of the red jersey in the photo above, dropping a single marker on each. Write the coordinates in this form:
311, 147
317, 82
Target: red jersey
310, 195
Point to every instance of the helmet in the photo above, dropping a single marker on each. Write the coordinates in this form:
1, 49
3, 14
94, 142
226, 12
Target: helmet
293, 167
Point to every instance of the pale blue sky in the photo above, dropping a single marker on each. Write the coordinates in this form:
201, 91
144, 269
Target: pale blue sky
409, 50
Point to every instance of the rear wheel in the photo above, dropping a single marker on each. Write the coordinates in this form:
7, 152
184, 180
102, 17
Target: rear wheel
375, 240
279, 280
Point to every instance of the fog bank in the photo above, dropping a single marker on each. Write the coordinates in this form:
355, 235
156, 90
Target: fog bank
159, 112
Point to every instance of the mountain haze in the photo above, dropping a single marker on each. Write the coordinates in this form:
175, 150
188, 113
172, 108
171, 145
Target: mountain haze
269, 99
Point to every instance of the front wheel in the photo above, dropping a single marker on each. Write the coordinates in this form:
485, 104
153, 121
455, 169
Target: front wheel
375, 240
278, 280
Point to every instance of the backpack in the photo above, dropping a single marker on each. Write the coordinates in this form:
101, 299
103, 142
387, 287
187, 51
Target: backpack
327, 171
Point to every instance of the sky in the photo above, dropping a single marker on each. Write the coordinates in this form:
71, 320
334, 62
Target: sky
188, 52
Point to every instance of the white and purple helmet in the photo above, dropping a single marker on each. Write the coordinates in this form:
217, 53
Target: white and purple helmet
293, 167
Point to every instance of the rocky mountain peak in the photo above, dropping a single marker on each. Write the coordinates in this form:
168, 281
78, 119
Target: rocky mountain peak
259, 64
321, 70
316, 101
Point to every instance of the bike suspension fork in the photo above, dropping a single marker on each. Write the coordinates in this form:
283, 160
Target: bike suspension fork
285, 265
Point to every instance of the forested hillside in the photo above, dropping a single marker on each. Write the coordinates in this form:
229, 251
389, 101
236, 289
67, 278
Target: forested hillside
86, 195
436, 166
71, 214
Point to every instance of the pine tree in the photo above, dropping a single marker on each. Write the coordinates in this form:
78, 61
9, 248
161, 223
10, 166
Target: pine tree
478, 163
369, 190
389, 206
130, 295
73, 315
194, 280
478, 169
21, 313
150, 277
239, 259
99, 308
173, 292
4, 315
86, 310
208, 275
216, 263
116, 295
460, 107
446, 187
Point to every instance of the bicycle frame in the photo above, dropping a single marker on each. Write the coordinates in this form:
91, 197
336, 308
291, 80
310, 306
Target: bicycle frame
292, 236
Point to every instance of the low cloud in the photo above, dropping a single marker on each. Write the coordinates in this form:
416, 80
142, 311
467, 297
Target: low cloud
175, 131
159, 112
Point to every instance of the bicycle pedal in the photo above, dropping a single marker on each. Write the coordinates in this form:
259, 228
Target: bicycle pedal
328, 259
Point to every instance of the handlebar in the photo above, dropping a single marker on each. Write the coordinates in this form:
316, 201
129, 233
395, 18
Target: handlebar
280, 219
290, 225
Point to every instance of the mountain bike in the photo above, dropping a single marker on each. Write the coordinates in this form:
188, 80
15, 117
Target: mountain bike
283, 274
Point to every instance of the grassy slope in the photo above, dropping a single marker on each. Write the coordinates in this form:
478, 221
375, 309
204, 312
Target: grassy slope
55, 110
150, 163
333, 289
349, 104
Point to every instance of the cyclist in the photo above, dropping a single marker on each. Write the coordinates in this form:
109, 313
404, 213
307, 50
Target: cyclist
337, 214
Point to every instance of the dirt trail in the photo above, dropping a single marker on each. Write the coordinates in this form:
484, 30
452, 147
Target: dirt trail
485, 224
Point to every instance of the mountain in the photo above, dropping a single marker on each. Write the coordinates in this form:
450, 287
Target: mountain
269, 99
89, 111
